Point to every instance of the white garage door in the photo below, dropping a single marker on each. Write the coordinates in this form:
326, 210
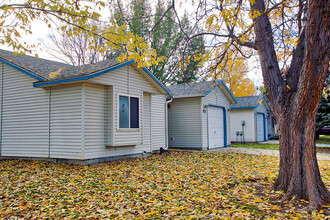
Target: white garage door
260, 127
216, 128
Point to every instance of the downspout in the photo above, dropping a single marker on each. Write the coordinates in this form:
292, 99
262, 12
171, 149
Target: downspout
207, 124
166, 122
264, 117
49, 117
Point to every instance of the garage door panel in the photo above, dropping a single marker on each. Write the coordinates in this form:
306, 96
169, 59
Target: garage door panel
260, 127
216, 127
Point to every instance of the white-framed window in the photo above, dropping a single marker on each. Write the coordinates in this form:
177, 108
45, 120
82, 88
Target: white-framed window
128, 112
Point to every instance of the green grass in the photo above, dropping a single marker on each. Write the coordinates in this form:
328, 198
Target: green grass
324, 139
263, 146
256, 146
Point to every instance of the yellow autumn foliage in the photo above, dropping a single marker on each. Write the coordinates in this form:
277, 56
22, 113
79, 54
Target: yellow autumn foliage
233, 71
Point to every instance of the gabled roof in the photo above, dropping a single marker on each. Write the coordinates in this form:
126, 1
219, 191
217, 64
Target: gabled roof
199, 89
37, 68
246, 102
42, 69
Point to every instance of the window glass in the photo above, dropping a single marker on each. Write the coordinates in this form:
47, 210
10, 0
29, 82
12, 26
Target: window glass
123, 112
134, 112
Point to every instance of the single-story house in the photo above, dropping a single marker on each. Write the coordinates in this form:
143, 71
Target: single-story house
83, 114
248, 119
198, 116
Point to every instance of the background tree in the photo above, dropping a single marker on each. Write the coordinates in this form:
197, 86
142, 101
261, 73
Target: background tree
157, 26
73, 16
16, 18
263, 91
323, 112
164, 39
140, 21
74, 49
187, 66
233, 71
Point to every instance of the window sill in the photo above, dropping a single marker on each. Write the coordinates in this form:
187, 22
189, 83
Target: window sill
128, 129
118, 146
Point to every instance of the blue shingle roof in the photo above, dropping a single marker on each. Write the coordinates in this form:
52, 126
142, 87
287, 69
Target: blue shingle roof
192, 89
43, 68
248, 102
51, 72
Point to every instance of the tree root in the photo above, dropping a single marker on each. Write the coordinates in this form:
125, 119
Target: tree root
309, 208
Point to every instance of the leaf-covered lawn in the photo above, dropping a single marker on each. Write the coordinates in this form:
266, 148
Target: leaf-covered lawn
198, 185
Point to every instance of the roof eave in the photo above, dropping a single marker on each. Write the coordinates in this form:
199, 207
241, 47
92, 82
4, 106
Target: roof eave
226, 90
33, 75
90, 76
238, 108
157, 81
266, 104
188, 96
79, 78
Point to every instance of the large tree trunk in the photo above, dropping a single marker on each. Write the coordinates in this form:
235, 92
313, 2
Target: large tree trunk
284, 176
299, 174
295, 100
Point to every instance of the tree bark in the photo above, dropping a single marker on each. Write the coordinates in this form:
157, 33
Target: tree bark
295, 107
284, 176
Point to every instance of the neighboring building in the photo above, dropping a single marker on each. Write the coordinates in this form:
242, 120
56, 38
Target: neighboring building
83, 114
249, 119
199, 116
271, 125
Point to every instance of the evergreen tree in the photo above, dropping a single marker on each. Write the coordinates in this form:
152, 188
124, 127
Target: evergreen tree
164, 40
323, 113
140, 19
187, 66
164, 35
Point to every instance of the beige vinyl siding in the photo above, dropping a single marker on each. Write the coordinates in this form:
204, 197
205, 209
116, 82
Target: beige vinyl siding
215, 97
77, 121
126, 81
238, 115
184, 123
96, 121
146, 129
24, 116
132, 82
66, 124
129, 79
108, 114
158, 122
1, 85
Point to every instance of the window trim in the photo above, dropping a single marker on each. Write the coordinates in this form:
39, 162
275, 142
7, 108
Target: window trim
129, 113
